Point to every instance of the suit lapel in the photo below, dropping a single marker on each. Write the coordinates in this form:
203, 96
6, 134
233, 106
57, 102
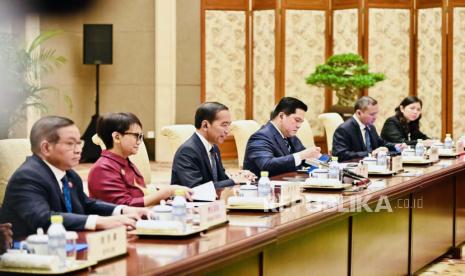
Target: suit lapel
203, 153
359, 134
279, 139
55, 186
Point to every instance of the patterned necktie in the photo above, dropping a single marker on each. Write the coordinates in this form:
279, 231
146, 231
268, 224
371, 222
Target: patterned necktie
214, 166
367, 139
67, 194
288, 145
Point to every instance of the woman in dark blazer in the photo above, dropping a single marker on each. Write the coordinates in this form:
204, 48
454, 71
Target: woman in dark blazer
404, 126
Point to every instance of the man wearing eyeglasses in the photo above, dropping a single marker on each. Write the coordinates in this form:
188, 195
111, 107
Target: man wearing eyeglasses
45, 184
275, 148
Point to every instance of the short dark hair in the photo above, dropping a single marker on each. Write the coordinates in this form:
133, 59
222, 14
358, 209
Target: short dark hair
364, 102
207, 111
46, 128
288, 105
111, 122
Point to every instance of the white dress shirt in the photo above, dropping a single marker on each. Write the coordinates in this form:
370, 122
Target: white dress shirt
297, 158
207, 146
91, 222
363, 128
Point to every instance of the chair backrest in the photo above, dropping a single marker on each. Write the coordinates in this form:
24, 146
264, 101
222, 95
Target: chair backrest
242, 130
13, 153
140, 159
305, 134
176, 135
330, 122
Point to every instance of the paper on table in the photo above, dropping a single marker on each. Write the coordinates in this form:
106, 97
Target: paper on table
204, 192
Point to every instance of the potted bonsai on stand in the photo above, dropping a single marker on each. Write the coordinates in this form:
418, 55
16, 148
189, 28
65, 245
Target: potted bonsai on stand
347, 74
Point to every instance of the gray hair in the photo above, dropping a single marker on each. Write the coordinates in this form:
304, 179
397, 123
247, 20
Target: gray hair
46, 128
364, 102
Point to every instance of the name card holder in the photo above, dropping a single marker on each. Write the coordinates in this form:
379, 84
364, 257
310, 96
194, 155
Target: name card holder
289, 192
362, 170
396, 163
434, 154
106, 244
212, 214
459, 147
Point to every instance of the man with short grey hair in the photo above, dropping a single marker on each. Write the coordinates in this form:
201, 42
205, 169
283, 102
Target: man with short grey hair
357, 137
45, 185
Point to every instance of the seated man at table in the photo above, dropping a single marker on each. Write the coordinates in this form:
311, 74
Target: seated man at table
198, 160
357, 137
274, 147
45, 185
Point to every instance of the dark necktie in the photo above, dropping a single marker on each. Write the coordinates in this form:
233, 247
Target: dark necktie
288, 145
67, 194
367, 139
214, 166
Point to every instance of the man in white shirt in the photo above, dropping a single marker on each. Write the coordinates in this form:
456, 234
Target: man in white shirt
198, 160
45, 185
275, 147
357, 137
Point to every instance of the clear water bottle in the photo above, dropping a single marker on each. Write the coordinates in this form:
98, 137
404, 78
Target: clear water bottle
381, 158
57, 240
334, 171
448, 141
419, 148
179, 205
264, 185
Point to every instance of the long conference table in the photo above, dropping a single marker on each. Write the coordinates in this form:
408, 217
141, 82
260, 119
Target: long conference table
419, 219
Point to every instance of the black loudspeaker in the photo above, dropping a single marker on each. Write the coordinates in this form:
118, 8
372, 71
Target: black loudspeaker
98, 43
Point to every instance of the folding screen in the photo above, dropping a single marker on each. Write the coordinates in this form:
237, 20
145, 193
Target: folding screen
224, 54
431, 74
305, 47
388, 50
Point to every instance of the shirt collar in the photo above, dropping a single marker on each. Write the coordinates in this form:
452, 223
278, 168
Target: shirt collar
205, 143
59, 174
360, 124
279, 131
115, 157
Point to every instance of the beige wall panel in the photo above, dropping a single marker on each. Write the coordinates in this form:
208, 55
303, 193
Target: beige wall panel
345, 34
305, 49
133, 65
458, 72
225, 60
187, 101
389, 53
263, 64
429, 70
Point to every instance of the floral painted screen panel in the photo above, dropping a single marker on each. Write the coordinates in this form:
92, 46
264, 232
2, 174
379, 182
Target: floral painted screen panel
263, 64
389, 53
225, 56
429, 69
305, 46
345, 33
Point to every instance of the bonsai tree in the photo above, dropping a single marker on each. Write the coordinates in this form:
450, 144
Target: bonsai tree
346, 74
20, 71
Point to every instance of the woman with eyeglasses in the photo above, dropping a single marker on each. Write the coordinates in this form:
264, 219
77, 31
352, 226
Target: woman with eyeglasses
114, 178
404, 126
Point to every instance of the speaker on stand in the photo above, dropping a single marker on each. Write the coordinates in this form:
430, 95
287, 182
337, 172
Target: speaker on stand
98, 49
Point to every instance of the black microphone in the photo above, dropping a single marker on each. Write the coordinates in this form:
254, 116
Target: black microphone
345, 171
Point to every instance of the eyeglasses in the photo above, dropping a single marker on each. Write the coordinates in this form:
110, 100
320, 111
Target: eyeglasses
70, 145
139, 135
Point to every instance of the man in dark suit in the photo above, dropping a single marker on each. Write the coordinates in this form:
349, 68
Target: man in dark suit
275, 148
357, 137
198, 160
45, 185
